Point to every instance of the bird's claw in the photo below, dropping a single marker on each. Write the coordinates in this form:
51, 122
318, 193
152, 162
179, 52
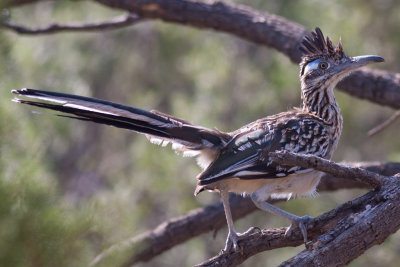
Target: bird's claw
233, 239
301, 223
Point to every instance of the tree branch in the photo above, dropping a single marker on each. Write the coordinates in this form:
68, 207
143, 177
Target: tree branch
327, 166
177, 230
376, 213
363, 222
112, 24
353, 235
211, 218
242, 21
385, 124
11, 3
381, 87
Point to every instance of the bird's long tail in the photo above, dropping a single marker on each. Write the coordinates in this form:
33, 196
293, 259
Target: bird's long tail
158, 127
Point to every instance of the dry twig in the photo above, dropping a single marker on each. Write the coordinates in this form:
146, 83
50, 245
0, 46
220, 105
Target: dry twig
385, 124
115, 23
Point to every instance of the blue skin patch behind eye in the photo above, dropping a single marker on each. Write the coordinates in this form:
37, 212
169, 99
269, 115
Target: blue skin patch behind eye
313, 65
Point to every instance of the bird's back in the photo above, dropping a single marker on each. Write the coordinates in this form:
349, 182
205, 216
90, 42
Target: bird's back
244, 162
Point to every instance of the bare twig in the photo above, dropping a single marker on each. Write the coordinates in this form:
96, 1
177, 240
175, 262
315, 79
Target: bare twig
320, 164
115, 23
378, 86
385, 124
10, 3
211, 218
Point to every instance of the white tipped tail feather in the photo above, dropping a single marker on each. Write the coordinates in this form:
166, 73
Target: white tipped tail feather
159, 128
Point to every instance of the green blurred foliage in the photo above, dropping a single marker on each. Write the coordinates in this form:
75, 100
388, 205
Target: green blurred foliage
70, 189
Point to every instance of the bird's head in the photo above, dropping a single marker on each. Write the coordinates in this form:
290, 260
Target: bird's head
323, 65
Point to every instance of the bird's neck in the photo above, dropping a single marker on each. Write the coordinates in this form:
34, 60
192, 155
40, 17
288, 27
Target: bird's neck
322, 103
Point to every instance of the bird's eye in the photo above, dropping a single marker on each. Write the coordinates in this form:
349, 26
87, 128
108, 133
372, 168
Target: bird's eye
323, 65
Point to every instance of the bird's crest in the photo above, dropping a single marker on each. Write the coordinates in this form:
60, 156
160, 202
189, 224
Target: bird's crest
315, 45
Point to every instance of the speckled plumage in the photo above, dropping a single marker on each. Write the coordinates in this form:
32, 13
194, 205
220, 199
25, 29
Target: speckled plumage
313, 129
246, 157
239, 161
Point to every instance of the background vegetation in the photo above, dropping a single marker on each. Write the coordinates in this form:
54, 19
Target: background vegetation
70, 189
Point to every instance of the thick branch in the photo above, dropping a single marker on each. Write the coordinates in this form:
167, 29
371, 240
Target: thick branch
177, 230
255, 244
115, 23
274, 31
381, 87
211, 218
261, 27
365, 221
242, 21
353, 235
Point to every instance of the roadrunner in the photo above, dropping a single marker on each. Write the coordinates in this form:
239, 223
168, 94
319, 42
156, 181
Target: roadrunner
239, 161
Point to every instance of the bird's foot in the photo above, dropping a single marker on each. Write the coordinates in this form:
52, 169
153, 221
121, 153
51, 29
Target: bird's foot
299, 222
233, 239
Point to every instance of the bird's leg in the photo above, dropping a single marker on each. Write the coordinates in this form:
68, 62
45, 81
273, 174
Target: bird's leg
296, 221
233, 236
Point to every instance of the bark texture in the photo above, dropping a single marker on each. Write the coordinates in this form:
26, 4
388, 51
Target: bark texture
348, 230
378, 218
377, 86
211, 218
381, 87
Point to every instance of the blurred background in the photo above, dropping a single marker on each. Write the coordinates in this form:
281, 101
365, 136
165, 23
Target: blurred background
69, 189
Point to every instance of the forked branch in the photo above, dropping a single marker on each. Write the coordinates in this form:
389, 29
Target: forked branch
349, 238
348, 230
211, 218
381, 87
377, 211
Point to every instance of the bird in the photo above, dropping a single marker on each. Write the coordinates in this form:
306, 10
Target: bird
238, 161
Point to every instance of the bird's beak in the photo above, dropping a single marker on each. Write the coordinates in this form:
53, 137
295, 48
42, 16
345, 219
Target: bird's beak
364, 60
357, 62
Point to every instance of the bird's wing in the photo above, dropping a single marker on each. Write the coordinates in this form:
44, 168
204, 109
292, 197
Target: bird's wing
247, 155
158, 127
